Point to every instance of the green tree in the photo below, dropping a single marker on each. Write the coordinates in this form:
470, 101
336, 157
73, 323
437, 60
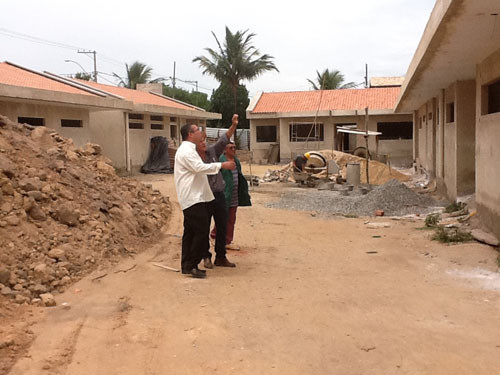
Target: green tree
221, 102
136, 73
330, 80
195, 98
83, 76
234, 61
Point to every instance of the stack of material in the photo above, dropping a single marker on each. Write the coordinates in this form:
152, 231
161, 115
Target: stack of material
63, 211
158, 159
380, 173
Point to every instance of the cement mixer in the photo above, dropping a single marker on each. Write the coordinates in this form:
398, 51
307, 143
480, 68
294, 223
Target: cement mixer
305, 165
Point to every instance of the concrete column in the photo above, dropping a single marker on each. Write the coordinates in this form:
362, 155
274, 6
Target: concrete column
127, 143
466, 136
415, 136
284, 140
440, 120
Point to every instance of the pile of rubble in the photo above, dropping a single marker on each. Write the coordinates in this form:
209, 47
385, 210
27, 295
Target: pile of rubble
63, 210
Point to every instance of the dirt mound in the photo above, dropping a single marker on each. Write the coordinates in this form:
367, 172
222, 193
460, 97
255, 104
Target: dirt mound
380, 173
63, 210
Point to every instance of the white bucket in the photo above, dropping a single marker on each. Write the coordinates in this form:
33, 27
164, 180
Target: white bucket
353, 176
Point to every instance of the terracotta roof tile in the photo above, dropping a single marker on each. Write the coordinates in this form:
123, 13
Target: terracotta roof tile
136, 96
15, 76
324, 100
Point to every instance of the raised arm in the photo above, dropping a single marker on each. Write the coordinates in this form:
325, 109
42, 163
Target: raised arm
222, 142
234, 125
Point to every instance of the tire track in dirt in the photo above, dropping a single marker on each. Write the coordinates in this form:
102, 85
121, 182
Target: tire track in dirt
58, 364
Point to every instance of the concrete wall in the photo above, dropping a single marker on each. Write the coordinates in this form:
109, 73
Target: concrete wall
487, 147
445, 146
52, 115
107, 128
425, 127
399, 150
260, 149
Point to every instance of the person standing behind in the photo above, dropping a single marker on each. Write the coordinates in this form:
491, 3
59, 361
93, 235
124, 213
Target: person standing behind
235, 191
217, 208
193, 192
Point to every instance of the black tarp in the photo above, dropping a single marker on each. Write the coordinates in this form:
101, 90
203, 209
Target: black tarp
158, 159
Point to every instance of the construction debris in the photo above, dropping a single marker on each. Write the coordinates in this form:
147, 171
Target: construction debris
379, 173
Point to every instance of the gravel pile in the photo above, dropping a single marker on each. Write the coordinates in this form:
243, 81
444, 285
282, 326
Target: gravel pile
393, 197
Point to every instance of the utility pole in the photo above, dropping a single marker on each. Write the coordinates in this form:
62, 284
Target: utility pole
95, 61
173, 83
366, 76
367, 152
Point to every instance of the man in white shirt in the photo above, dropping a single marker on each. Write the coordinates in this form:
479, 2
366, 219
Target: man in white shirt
193, 192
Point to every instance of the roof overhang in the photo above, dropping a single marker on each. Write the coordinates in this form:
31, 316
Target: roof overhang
188, 113
458, 35
49, 97
331, 113
357, 132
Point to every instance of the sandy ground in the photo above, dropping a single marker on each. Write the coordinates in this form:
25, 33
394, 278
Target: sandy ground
308, 296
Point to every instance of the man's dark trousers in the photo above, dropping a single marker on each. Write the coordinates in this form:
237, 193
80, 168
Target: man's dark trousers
195, 236
217, 209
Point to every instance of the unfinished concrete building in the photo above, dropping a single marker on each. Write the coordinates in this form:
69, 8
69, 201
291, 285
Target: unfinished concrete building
310, 120
121, 120
453, 89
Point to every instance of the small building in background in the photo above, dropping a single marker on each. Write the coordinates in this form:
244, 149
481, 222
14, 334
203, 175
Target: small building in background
121, 120
300, 121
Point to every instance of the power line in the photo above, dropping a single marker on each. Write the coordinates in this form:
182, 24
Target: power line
18, 35
34, 39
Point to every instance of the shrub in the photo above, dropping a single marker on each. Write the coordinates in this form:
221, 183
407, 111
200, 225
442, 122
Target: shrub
432, 220
451, 235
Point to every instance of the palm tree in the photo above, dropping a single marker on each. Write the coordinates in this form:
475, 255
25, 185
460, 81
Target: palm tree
236, 60
330, 80
136, 73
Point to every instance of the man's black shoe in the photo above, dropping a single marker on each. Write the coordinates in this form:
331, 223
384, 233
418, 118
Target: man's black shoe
196, 273
223, 262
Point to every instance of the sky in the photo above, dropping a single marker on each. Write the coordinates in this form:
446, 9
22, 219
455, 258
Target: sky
315, 35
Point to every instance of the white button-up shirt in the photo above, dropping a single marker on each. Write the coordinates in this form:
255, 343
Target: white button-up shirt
190, 176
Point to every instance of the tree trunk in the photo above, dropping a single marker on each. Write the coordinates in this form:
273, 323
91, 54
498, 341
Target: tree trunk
235, 96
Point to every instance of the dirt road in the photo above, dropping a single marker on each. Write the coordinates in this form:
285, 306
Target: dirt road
308, 296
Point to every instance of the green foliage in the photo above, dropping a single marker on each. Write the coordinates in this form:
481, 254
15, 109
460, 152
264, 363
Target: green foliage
451, 235
432, 220
136, 73
83, 76
196, 98
221, 102
455, 206
235, 60
330, 80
